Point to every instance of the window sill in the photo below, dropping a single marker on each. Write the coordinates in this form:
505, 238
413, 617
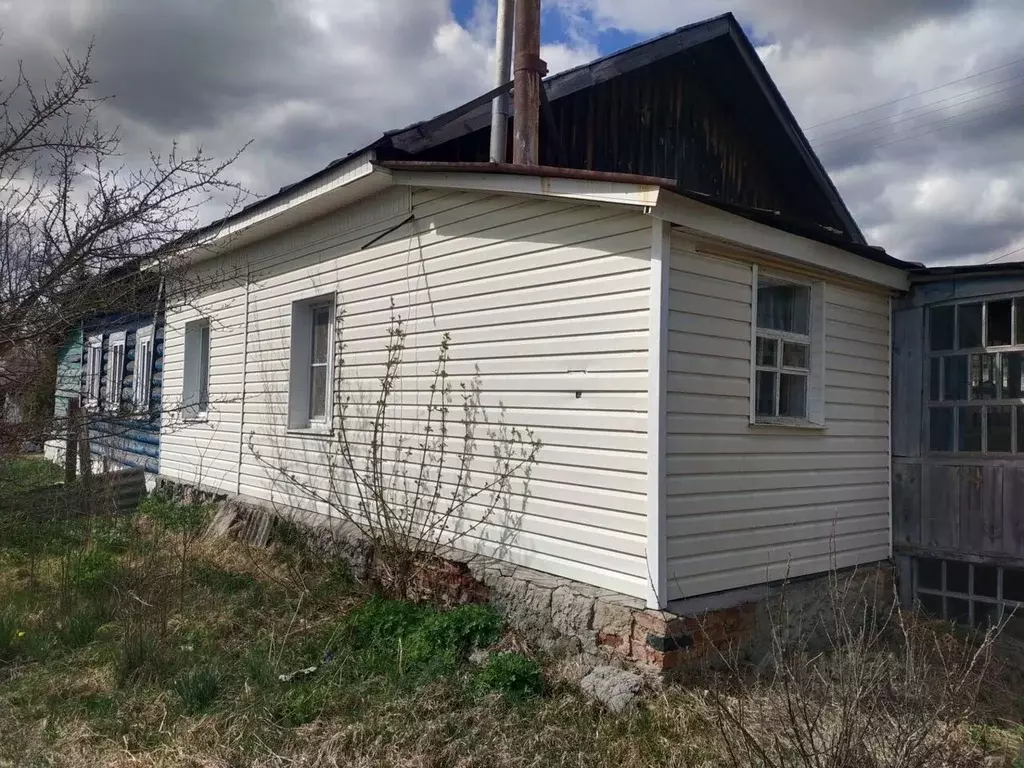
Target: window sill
788, 424
202, 418
310, 431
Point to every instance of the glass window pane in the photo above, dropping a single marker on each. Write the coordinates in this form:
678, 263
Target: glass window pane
958, 610
765, 401
940, 328
955, 377
998, 326
204, 367
321, 332
986, 579
767, 352
1013, 374
985, 614
318, 392
931, 605
1000, 429
796, 355
983, 377
1019, 330
934, 380
1013, 585
929, 574
784, 307
969, 325
1020, 428
957, 575
793, 395
940, 429
969, 433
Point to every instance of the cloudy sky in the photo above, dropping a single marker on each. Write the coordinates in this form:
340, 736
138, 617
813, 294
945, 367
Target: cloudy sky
916, 107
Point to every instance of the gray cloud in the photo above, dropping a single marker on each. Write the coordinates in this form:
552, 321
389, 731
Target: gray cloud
936, 177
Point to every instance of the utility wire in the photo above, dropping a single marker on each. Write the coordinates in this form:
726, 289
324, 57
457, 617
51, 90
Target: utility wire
914, 95
941, 127
903, 122
1011, 253
905, 114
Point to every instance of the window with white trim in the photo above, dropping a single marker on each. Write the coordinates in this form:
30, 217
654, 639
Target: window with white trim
787, 356
312, 363
196, 395
974, 375
142, 369
93, 370
115, 370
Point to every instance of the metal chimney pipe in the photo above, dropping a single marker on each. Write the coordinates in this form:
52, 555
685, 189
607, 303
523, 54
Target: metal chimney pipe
529, 69
502, 72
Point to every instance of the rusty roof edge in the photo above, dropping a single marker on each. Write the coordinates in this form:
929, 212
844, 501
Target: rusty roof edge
509, 169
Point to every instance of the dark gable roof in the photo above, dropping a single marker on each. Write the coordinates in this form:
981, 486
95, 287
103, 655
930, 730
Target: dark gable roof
729, 68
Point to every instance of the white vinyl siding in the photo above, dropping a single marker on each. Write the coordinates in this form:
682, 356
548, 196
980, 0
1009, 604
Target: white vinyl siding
749, 502
548, 299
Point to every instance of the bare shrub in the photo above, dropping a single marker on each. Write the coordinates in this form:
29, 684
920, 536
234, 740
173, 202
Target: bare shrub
412, 492
864, 687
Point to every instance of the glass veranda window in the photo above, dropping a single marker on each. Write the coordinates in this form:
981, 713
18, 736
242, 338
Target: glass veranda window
783, 350
975, 376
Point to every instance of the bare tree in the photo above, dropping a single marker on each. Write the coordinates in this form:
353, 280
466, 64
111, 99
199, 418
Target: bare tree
77, 220
406, 483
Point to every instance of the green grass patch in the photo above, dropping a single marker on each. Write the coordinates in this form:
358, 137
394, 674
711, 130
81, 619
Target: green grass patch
512, 674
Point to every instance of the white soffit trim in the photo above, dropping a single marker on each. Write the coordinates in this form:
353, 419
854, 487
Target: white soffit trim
707, 220
583, 190
350, 181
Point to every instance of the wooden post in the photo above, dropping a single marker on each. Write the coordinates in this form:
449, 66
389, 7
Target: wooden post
71, 439
529, 70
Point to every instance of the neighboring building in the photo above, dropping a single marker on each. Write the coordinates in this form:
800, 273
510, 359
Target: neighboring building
958, 440
704, 349
113, 367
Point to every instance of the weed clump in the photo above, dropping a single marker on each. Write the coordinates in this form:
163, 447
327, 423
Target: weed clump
512, 674
198, 688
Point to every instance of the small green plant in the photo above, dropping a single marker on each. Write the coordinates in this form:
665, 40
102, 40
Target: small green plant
80, 628
11, 633
138, 656
94, 572
511, 674
408, 637
300, 704
198, 688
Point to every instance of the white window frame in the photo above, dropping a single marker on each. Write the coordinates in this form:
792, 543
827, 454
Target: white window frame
196, 389
93, 370
115, 370
300, 406
814, 339
143, 367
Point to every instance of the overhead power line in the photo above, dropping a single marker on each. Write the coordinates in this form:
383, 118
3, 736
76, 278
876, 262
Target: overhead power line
905, 115
866, 131
941, 125
1011, 253
918, 93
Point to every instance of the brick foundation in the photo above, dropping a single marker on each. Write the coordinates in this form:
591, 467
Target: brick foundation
568, 617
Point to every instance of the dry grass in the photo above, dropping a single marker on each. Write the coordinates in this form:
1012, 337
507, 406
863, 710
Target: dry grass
245, 618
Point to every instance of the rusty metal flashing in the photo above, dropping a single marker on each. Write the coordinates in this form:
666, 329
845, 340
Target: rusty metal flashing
548, 171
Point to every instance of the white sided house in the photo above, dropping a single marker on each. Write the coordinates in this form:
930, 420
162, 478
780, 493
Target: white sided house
703, 350
711, 392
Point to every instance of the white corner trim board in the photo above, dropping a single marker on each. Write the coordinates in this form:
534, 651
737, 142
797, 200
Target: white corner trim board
657, 416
